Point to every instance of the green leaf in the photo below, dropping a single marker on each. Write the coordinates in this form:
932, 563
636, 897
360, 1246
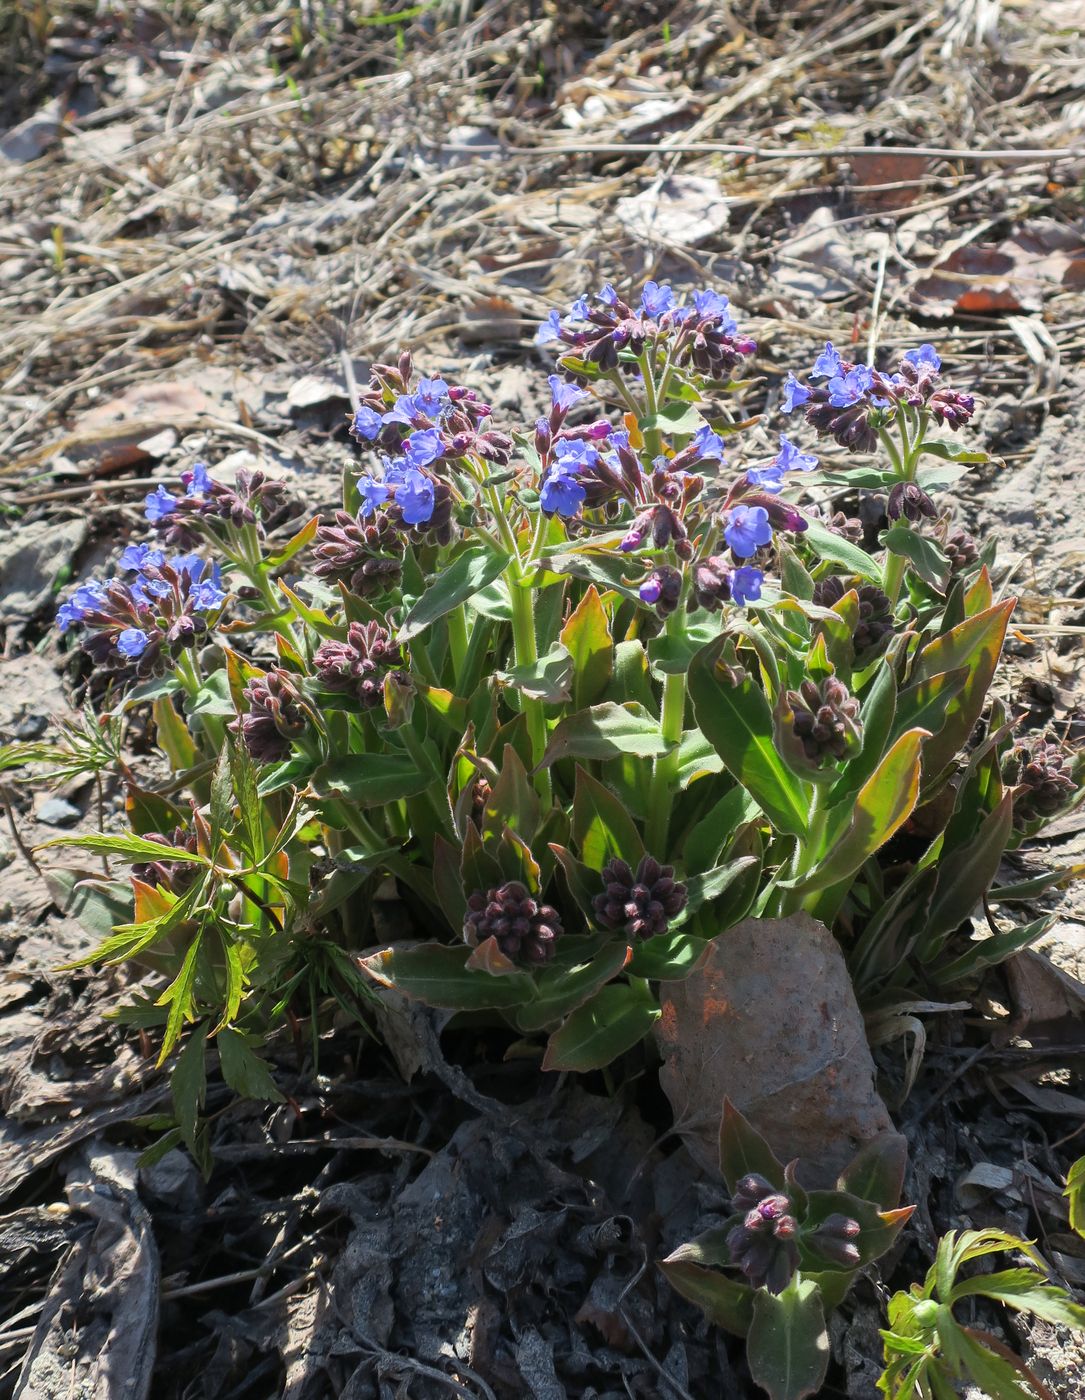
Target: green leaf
975, 644
602, 827
838, 550
245, 1072
725, 1302
701, 848
743, 1150
188, 1083
172, 734
130, 848
925, 556
456, 584
179, 997
1075, 1194
966, 877
295, 544
370, 779
548, 679
98, 905
586, 637
562, 989
924, 704
607, 731
988, 952
737, 721
436, 975
950, 451
876, 1172
881, 806
606, 571
681, 418
696, 759
615, 1019
702, 889
787, 1346
668, 957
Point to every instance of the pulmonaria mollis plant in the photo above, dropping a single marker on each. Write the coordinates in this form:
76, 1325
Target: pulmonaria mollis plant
589, 690
785, 1257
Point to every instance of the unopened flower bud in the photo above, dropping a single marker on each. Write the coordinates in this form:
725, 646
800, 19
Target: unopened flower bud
909, 501
1041, 773
640, 904
276, 715
526, 931
819, 722
875, 623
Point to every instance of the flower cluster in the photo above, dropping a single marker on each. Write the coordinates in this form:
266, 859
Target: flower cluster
526, 930
141, 624
276, 716
1043, 776
765, 1245
821, 723
253, 499
173, 875
874, 625
641, 904
359, 665
856, 400
605, 331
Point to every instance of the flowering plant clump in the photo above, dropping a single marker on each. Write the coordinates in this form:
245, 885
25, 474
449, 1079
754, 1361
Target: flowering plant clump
786, 1257
589, 692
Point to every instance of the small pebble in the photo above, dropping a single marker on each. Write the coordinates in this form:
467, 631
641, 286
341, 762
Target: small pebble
55, 811
31, 727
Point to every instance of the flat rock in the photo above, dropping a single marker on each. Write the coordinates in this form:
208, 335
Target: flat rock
57, 811
770, 1021
30, 559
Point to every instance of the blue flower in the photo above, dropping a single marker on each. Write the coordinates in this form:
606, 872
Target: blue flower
132, 642
708, 303
158, 504
708, 443
405, 410
367, 422
573, 454
191, 564
88, 597
197, 482
926, 357
414, 496
580, 310
850, 388
430, 396
563, 395
746, 529
746, 584
374, 493
769, 478
139, 556
828, 363
656, 299
791, 458
561, 492
205, 595
608, 296
550, 330
420, 449
794, 395
650, 589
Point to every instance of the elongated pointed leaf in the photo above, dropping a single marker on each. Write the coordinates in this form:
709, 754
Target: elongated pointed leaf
602, 828
615, 1019
607, 731
881, 806
463, 578
828, 545
787, 1346
562, 990
586, 636
370, 779
743, 1150
965, 876
737, 721
975, 644
668, 957
438, 976
724, 1301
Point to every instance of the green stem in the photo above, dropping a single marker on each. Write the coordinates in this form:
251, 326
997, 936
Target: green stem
527, 653
427, 764
665, 772
457, 642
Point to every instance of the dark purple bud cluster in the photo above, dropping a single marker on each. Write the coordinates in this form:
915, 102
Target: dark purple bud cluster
364, 555
960, 549
135, 628
825, 720
253, 499
1042, 773
911, 502
643, 904
277, 715
765, 1245
834, 1240
359, 665
526, 930
875, 625
173, 875
662, 590
848, 527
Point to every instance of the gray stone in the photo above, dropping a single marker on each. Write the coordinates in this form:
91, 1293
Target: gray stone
57, 811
